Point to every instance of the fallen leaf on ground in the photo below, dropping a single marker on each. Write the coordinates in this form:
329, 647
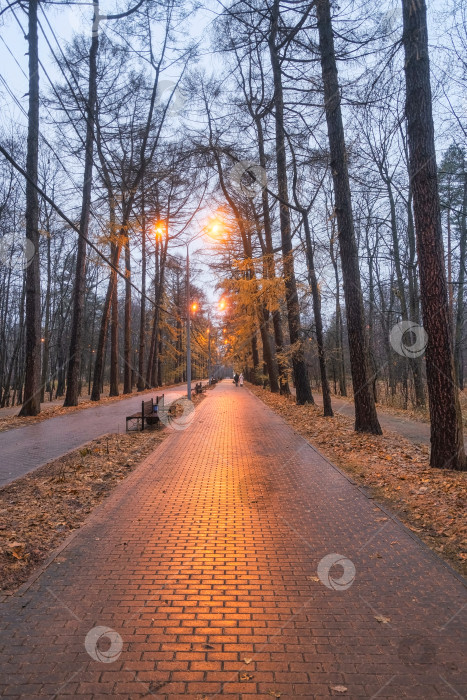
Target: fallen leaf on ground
16, 549
436, 515
383, 620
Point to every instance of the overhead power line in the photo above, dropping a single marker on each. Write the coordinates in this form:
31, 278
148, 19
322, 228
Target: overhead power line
50, 201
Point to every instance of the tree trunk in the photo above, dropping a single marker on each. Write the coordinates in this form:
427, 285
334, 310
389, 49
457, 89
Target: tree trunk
283, 386
313, 282
415, 363
339, 325
154, 362
414, 307
259, 305
114, 340
255, 358
300, 373
158, 359
127, 384
447, 440
142, 327
372, 306
366, 419
46, 343
74, 361
31, 397
102, 341
460, 289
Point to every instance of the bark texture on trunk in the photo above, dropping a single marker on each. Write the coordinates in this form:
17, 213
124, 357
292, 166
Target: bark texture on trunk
313, 282
447, 440
366, 419
114, 354
102, 341
74, 360
460, 309
31, 396
142, 324
300, 372
127, 365
276, 369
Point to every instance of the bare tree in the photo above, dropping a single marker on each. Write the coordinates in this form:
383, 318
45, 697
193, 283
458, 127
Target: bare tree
447, 440
366, 419
31, 397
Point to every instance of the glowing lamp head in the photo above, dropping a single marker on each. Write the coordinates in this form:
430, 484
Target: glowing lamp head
194, 306
215, 228
159, 229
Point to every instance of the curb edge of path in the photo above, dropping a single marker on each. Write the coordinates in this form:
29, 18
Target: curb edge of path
77, 447
120, 397
365, 492
97, 512
49, 461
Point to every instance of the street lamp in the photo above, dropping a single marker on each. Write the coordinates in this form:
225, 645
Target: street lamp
209, 352
215, 229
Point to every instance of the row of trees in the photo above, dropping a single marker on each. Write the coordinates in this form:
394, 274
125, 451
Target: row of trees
272, 53
335, 222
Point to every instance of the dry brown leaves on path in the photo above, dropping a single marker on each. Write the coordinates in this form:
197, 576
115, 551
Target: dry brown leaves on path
40, 510
431, 502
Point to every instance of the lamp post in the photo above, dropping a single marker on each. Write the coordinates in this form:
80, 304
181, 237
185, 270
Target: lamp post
188, 329
215, 228
209, 353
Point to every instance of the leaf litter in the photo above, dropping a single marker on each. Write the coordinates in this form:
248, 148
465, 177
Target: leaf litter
39, 510
431, 502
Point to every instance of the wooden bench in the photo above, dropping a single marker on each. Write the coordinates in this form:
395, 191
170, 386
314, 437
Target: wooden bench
199, 388
148, 414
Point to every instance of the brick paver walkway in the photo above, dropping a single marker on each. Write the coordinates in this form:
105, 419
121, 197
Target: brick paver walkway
210, 565
24, 449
